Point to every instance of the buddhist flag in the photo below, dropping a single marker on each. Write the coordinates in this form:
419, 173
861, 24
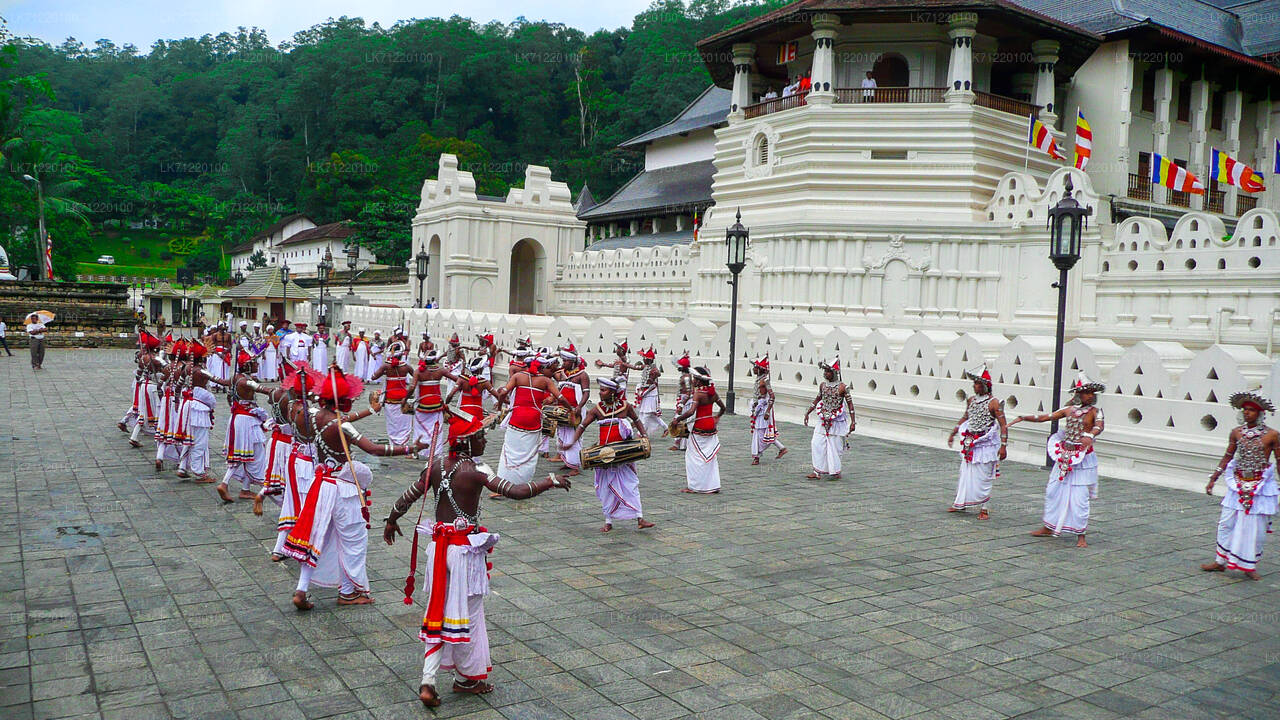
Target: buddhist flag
1084, 140
1226, 169
696, 225
48, 256
1040, 137
1167, 173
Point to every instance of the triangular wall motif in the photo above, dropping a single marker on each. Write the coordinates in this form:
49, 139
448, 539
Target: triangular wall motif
1213, 373
1137, 370
1169, 423
1075, 365
1212, 397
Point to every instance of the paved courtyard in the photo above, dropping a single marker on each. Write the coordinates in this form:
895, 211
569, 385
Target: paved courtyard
131, 594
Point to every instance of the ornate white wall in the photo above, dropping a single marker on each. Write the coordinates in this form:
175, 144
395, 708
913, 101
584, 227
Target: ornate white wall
648, 281
1167, 417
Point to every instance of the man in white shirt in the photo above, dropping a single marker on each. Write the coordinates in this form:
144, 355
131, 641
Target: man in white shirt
3, 343
35, 331
868, 87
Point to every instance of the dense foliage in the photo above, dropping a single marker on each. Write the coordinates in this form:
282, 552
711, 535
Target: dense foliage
219, 135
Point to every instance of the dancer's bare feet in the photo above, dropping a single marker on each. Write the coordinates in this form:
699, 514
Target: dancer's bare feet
135, 443
301, 602
1041, 531
642, 524
983, 515
428, 696
1250, 574
675, 448
474, 687
257, 505
222, 493
835, 476
812, 475
783, 451
685, 490
203, 479
277, 557
182, 474
1213, 567
355, 599
123, 429
755, 460
495, 496
159, 465
1080, 543
247, 495
556, 459
606, 528
953, 509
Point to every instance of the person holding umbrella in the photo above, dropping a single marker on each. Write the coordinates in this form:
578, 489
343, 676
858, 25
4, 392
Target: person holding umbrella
35, 331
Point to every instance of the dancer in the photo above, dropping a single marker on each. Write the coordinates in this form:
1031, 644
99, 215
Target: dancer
342, 347
528, 391
300, 343
648, 403
1251, 464
425, 346
1073, 482
621, 367
617, 486
244, 445
280, 444
428, 416
684, 393
389, 402
454, 360
984, 436
377, 355
764, 430
197, 419
472, 386
320, 346
360, 350
457, 579
575, 388
331, 535
834, 424
701, 464
169, 395
141, 416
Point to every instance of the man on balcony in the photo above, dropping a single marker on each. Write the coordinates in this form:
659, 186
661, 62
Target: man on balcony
868, 87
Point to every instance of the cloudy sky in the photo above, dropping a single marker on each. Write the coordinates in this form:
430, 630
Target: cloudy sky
141, 22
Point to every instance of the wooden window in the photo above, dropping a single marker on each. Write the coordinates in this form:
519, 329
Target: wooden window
1149, 90
1184, 101
1217, 108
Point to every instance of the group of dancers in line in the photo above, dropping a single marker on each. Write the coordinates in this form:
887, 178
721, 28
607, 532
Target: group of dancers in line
292, 440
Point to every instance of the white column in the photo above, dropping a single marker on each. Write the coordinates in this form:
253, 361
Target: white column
1045, 55
1160, 128
744, 54
680, 222
823, 73
1197, 162
635, 228
1232, 110
962, 29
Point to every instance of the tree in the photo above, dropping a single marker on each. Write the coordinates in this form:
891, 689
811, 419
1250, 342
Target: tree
257, 259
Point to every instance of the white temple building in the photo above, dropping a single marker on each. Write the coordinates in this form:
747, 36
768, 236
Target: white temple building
903, 227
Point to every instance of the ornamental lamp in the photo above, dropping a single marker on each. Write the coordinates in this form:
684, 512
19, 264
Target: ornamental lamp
736, 238
424, 263
353, 255
1066, 225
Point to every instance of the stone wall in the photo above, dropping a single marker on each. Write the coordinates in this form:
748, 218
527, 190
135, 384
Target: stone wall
650, 281
1167, 417
88, 314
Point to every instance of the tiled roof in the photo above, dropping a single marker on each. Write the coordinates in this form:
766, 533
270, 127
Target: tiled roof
707, 110
332, 231
665, 189
679, 237
279, 225
585, 200
264, 284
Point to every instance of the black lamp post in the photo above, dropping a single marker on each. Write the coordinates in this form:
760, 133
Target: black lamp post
1066, 225
424, 264
323, 269
238, 277
736, 238
284, 290
186, 278
353, 259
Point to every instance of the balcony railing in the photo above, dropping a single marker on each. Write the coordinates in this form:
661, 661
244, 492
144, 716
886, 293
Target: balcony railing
1140, 186
899, 95
1215, 201
890, 95
1005, 104
1245, 203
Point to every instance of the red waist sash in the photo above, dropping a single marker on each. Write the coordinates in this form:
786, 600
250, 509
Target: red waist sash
444, 535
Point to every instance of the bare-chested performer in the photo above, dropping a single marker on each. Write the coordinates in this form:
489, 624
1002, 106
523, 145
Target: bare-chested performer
620, 365
617, 486
457, 580
245, 442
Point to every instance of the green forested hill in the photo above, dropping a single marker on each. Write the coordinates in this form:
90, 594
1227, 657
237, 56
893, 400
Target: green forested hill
216, 136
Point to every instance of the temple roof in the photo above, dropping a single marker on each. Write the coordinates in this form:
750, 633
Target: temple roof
677, 237
264, 284
707, 110
669, 189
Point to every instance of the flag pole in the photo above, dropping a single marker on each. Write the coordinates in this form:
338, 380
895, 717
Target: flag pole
1026, 151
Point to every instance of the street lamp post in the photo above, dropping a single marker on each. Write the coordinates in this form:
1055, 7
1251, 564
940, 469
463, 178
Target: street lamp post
1066, 224
353, 259
238, 277
736, 238
186, 278
284, 291
322, 274
424, 264
42, 239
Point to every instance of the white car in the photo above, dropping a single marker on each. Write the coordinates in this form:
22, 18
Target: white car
106, 260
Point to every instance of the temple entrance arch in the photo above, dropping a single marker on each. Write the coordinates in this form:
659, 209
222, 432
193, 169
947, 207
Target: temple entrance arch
433, 272
528, 277
891, 70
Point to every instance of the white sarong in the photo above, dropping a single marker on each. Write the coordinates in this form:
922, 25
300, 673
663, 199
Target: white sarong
701, 464
462, 643
618, 489
427, 426
649, 410
764, 432
519, 454
399, 425
1073, 482
979, 464
828, 442
1241, 534
569, 450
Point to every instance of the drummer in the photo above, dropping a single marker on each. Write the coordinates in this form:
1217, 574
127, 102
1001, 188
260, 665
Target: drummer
527, 392
575, 387
617, 486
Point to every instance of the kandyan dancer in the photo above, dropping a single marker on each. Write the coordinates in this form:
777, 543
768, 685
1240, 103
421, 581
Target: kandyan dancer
684, 394
618, 485
983, 437
701, 464
834, 423
1251, 464
456, 558
1073, 482
764, 429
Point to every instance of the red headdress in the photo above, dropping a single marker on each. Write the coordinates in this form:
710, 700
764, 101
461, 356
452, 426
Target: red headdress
180, 349
980, 374
197, 351
621, 346
298, 373
243, 358
339, 387
684, 362
149, 341
762, 363
454, 339
648, 354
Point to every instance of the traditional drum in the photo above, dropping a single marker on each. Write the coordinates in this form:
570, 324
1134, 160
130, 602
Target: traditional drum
678, 429
552, 416
614, 453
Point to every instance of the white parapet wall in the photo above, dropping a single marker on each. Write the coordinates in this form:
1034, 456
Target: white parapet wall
1166, 411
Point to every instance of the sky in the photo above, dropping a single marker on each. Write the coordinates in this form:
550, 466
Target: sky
142, 22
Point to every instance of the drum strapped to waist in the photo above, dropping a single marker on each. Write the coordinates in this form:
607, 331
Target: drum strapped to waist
552, 416
615, 453
678, 429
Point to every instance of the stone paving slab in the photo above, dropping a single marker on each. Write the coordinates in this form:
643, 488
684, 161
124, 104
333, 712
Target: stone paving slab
131, 594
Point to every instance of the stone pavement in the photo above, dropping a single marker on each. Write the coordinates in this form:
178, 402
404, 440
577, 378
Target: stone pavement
129, 594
